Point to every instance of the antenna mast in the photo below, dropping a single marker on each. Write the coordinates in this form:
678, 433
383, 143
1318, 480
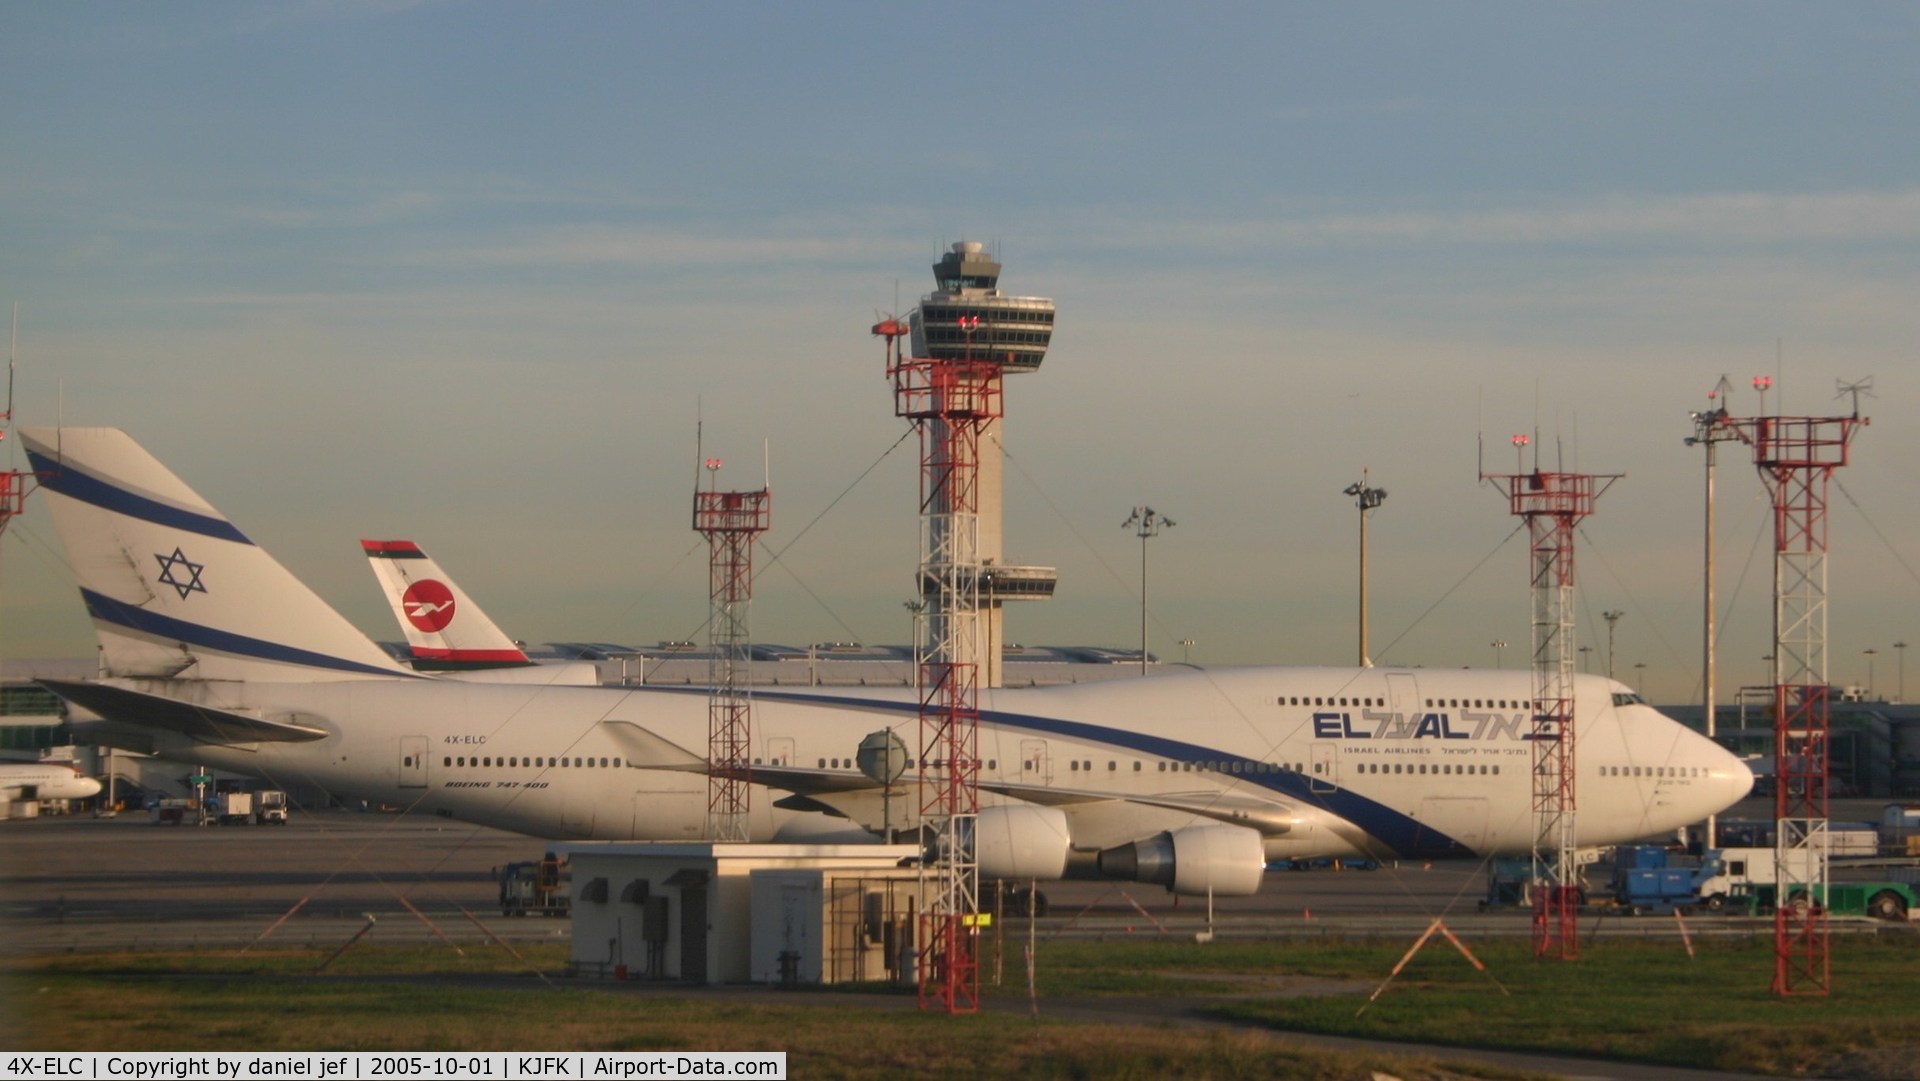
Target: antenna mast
1796, 457
1553, 504
729, 521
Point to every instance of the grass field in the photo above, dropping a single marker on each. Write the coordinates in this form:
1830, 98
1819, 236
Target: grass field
1637, 1000
1634, 1000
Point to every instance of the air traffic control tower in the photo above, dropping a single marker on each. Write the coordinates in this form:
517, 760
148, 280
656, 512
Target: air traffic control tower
967, 317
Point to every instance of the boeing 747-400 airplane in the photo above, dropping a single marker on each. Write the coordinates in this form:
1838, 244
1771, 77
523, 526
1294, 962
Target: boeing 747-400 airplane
214, 653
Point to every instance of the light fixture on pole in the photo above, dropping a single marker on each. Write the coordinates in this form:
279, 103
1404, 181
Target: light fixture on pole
1366, 498
1902, 647
1710, 428
1499, 652
1146, 523
914, 609
1613, 620
1871, 653
1640, 677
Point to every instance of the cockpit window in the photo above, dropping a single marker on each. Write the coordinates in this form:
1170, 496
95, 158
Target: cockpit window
1628, 698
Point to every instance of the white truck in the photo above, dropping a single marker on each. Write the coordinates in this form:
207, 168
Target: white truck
270, 807
1749, 877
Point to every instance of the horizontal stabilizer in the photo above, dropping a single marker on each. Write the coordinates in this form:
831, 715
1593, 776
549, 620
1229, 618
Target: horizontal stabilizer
648, 750
203, 723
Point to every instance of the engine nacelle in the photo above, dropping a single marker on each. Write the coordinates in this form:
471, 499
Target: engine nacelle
1194, 860
1017, 841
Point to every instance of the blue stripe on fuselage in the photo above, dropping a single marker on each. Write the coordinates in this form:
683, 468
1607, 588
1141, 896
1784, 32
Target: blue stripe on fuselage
1405, 835
73, 483
121, 614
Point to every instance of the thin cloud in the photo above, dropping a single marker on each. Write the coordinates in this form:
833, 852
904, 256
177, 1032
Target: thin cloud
1713, 218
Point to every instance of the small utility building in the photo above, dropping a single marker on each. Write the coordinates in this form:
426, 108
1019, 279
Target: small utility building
738, 913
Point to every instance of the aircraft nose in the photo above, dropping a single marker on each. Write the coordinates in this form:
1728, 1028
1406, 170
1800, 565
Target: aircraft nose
89, 787
1732, 779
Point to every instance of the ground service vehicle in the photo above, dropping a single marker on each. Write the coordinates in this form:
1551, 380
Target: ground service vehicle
536, 887
270, 807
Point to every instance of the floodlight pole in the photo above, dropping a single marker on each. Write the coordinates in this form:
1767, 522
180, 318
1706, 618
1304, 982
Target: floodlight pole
1366, 498
1710, 429
1902, 648
1146, 524
1613, 619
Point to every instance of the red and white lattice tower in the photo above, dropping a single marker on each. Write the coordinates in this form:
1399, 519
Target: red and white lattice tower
1553, 505
730, 521
951, 401
1796, 457
15, 484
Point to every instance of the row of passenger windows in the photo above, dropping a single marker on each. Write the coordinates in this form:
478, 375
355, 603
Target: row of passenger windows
1086, 765
516, 761
1075, 765
1463, 769
848, 763
1432, 703
1653, 771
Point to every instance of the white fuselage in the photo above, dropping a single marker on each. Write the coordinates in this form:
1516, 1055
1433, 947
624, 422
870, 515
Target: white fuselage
1407, 762
45, 780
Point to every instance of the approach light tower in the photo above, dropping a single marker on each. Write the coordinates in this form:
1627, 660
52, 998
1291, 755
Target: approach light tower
730, 521
1796, 457
1553, 505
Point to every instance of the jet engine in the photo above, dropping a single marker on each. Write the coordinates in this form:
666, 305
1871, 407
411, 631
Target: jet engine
1018, 841
1226, 860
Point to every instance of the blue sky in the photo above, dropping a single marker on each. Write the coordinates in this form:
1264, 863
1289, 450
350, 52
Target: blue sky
468, 273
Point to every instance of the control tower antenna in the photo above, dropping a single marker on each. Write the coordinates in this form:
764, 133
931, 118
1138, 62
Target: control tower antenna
730, 521
1553, 505
1796, 457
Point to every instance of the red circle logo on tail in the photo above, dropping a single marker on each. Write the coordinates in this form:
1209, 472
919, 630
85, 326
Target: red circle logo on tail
428, 605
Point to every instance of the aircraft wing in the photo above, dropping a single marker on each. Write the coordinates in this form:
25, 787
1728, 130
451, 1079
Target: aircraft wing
1271, 817
851, 794
203, 723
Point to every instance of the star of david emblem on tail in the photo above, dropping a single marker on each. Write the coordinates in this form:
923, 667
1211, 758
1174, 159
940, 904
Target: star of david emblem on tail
171, 569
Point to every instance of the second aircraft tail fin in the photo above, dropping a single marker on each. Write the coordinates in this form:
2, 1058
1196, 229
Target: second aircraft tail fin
445, 630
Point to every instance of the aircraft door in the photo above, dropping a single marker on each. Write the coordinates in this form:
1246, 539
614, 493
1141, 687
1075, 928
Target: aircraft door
413, 761
1403, 694
780, 751
1035, 766
1323, 773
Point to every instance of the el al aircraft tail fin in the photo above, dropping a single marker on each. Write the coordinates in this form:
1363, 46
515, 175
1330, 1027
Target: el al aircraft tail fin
445, 629
174, 589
